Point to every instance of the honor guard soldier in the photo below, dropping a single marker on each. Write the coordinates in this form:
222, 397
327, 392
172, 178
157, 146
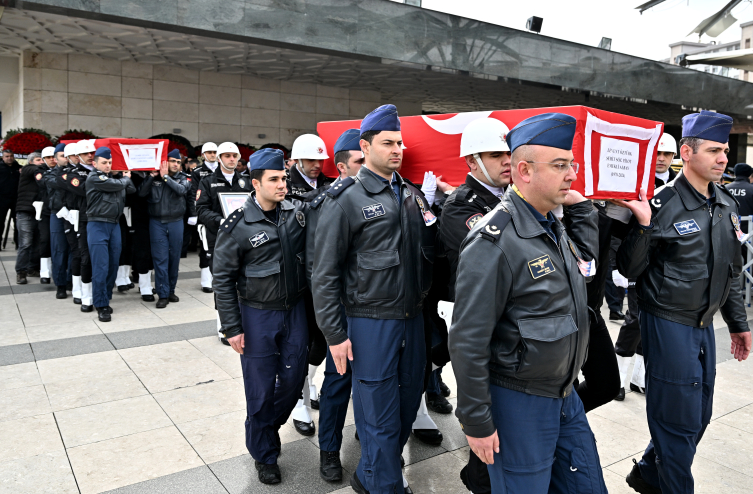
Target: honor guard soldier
259, 262
335, 391
684, 249
43, 214
374, 254
208, 167
309, 153
167, 190
58, 243
208, 205
105, 198
487, 155
75, 183
520, 325
629, 339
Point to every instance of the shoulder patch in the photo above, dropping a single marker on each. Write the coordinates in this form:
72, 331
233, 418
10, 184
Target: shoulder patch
318, 200
471, 222
232, 220
498, 221
340, 186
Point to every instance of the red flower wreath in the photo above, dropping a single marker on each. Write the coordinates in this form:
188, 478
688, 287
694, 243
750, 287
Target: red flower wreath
26, 142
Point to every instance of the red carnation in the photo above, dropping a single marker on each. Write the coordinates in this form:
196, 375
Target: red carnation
26, 142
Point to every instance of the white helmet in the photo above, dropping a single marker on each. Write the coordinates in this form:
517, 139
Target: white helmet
667, 143
309, 147
85, 146
208, 146
70, 149
48, 152
482, 136
227, 147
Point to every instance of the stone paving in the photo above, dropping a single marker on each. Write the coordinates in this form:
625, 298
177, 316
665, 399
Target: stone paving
153, 403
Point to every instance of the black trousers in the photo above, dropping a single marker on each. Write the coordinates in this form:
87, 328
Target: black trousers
629, 339
4, 208
45, 248
74, 252
83, 249
141, 246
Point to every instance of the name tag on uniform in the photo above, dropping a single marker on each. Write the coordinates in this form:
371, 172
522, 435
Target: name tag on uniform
541, 266
373, 211
258, 239
686, 227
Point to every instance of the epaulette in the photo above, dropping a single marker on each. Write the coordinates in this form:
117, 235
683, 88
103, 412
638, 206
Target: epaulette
662, 195
340, 186
318, 200
232, 220
729, 194
411, 183
497, 222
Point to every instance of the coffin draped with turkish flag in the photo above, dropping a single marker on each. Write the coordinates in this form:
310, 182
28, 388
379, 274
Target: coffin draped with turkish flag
134, 154
616, 153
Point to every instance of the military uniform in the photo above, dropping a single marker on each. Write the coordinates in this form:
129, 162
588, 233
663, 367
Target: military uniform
197, 175
58, 243
688, 262
74, 182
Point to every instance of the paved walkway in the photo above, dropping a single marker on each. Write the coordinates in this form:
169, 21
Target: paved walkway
153, 403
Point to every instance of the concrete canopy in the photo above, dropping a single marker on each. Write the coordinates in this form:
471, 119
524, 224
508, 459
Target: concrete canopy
446, 62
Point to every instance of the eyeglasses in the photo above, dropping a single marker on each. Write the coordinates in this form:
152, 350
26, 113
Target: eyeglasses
560, 167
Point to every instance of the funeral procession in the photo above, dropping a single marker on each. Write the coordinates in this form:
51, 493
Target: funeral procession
376, 247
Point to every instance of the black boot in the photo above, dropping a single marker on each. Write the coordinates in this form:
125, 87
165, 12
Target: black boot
61, 293
44, 281
304, 428
103, 314
330, 467
635, 480
438, 403
21, 278
432, 437
268, 474
621, 395
443, 388
616, 316
86, 308
356, 484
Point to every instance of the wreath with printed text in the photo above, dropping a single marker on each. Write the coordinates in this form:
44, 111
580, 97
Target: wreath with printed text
22, 142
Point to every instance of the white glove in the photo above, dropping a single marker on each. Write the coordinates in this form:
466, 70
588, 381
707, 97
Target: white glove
38, 207
192, 220
429, 187
127, 214
73, 218
62, 213
619, 280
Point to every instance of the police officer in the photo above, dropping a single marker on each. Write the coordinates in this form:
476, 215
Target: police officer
374, 252
742, 190
684, 249
258, 261
105, 196
58, 243
75, 200
208, 206
43, 215
335, 392
629, 339
208, 167
167, 190
520, 325
309, 153
487, 155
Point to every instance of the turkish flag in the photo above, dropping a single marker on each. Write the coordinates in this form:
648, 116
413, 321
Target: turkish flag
134, 154
616, 153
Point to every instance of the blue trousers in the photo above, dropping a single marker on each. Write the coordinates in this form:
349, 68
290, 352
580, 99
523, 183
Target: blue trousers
388, 376
59, 248
104, 251
545, 445
680, 372
275, 364
333, 401
167, 241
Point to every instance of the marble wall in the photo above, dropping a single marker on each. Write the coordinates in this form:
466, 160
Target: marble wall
128, 99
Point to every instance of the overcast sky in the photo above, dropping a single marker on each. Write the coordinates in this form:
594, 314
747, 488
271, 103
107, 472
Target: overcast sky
586, 21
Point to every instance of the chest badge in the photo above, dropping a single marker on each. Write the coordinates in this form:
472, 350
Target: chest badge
301, 218
686, 227
373, 211
471, 222
736, 224
259, 239
429, 218
541, 266
242, 183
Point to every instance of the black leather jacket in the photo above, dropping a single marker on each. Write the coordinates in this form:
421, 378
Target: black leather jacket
74, 182
56, 188
259, 263
167, 196
372, 255
208, 206
520, 319
298, 186
105, 196
466, 205
688, 263
312, 220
